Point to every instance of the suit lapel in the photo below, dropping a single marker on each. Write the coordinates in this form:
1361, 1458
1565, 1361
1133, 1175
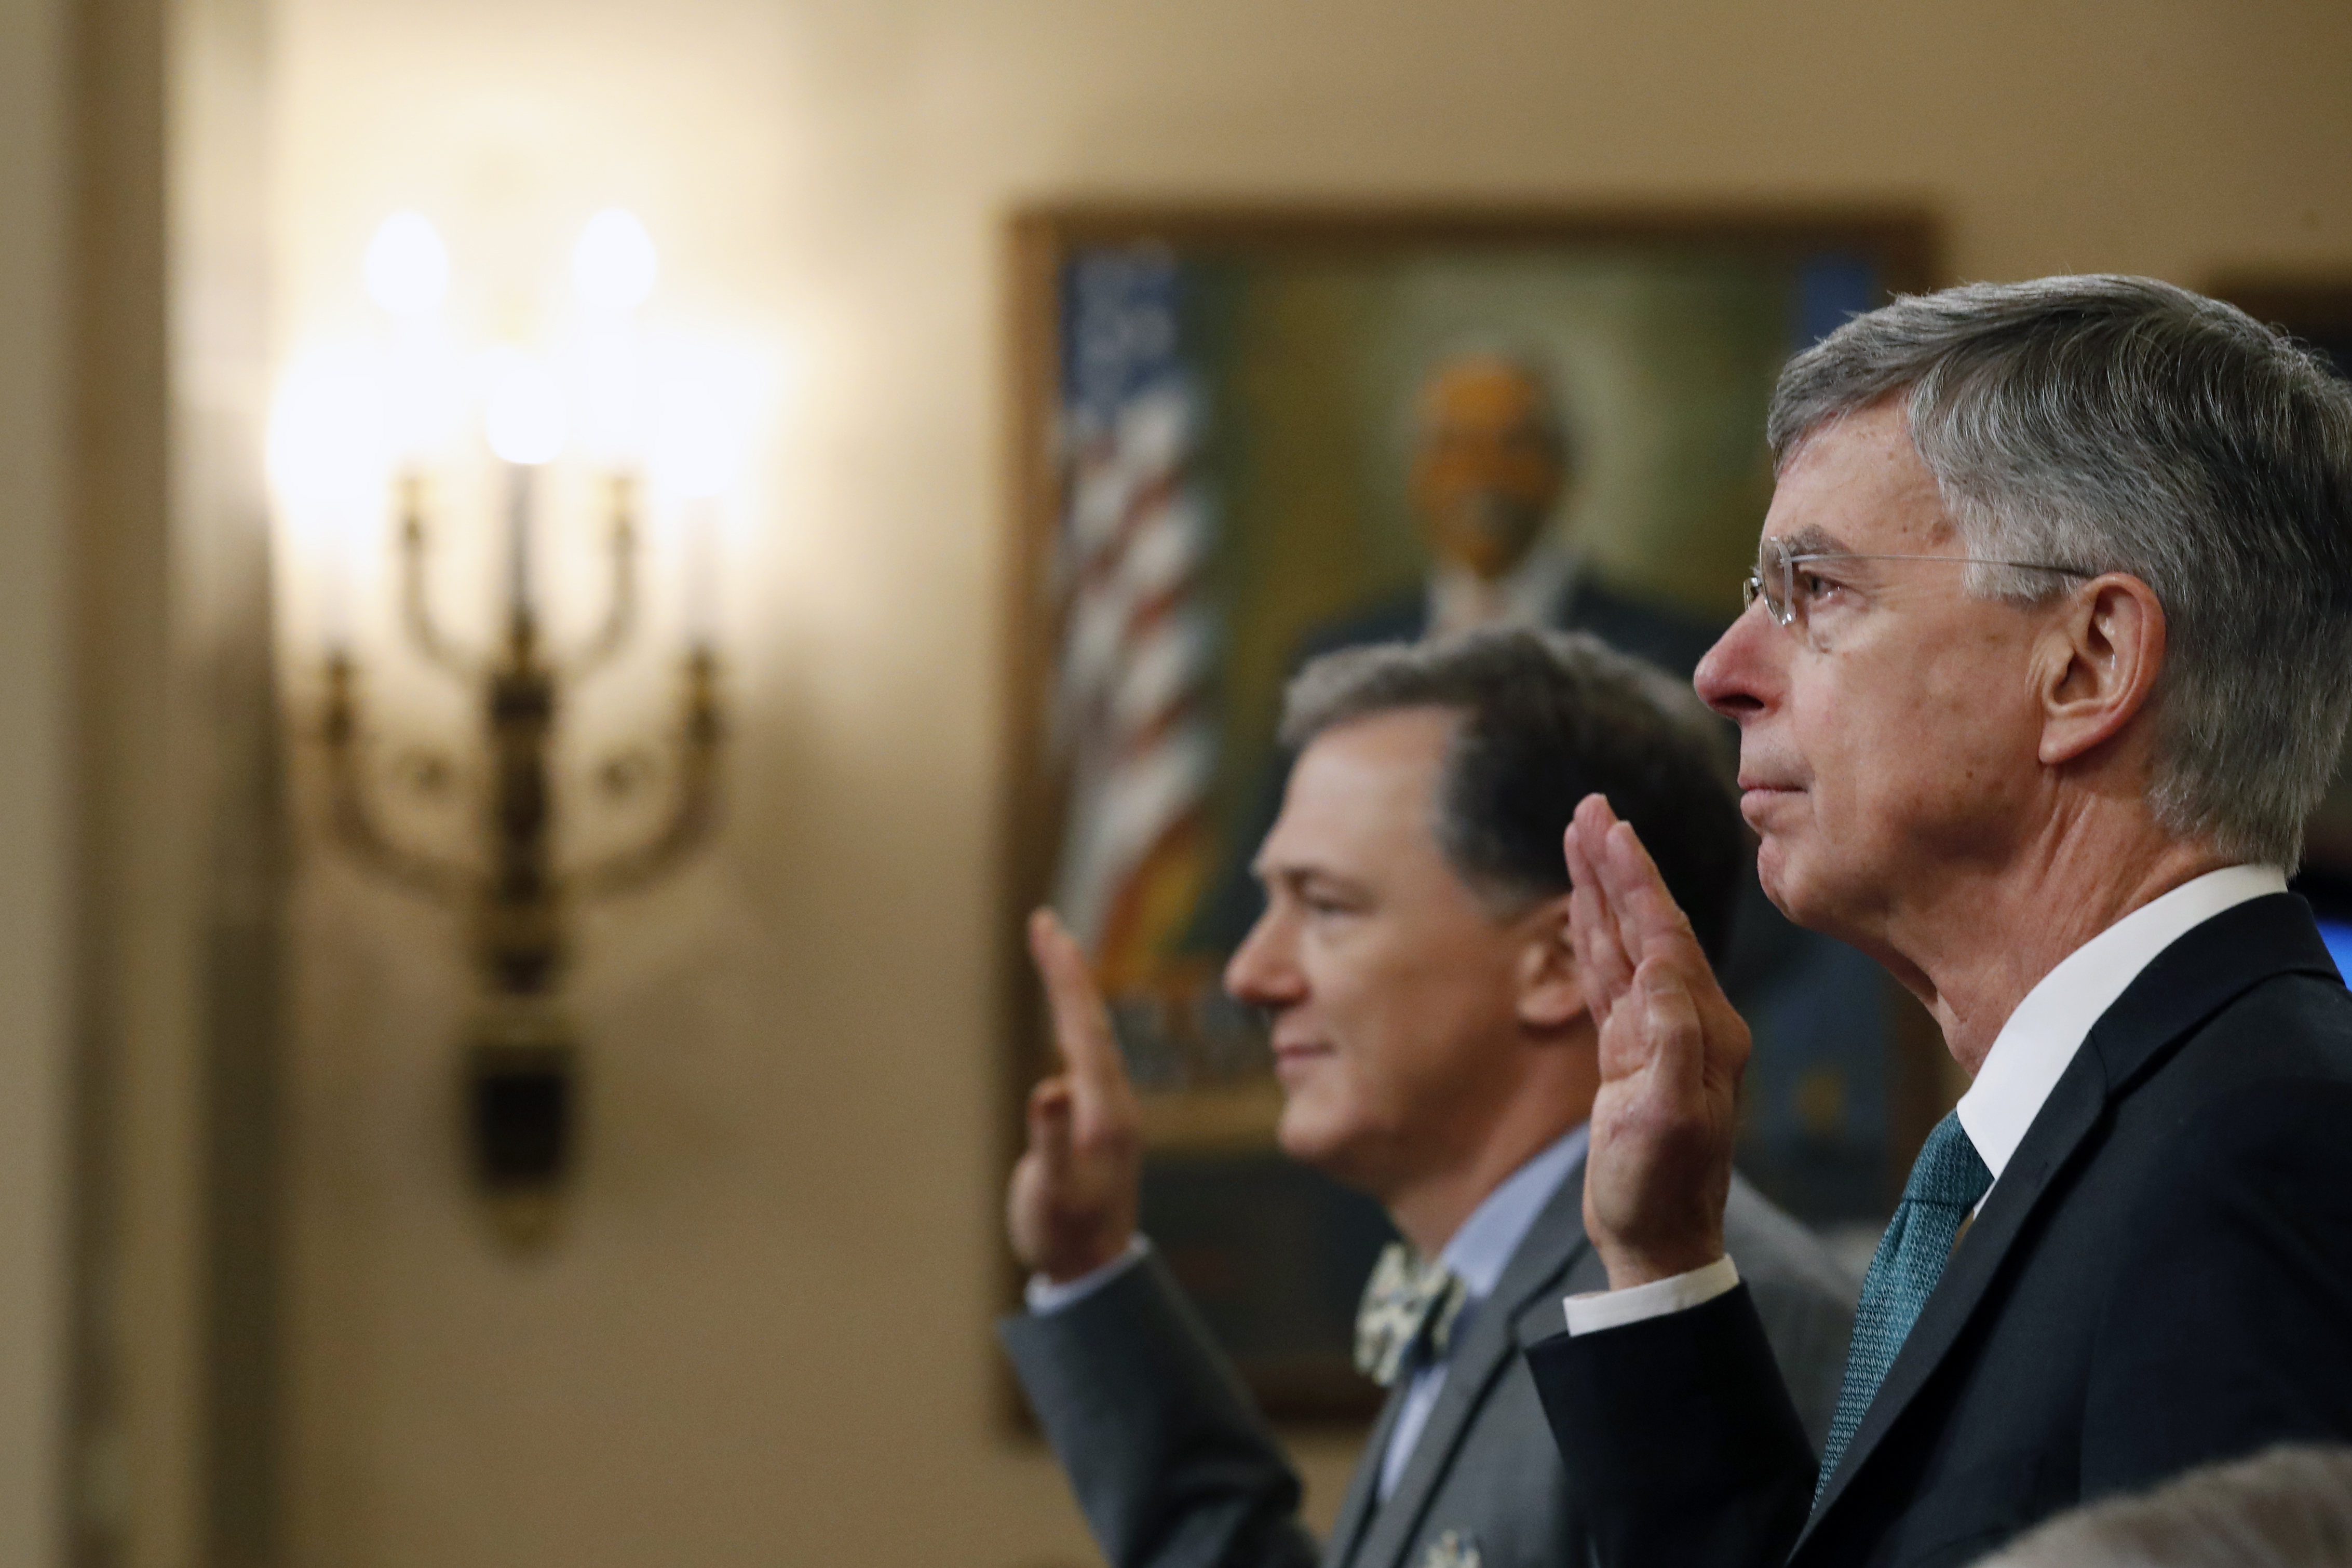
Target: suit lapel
2185, 984
1544, 1255
1363, 1487
2071, 1111
2202, 972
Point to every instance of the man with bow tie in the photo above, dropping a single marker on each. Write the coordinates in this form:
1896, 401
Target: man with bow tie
1434, 1048
2044, 667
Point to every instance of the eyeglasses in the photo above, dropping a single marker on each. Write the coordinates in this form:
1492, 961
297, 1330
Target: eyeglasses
1788, 593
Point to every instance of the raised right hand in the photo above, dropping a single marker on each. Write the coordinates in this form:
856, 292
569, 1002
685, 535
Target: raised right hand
1071, 1206
1672, 1051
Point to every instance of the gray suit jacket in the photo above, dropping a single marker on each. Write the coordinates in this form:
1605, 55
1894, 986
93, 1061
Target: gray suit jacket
1176, 1469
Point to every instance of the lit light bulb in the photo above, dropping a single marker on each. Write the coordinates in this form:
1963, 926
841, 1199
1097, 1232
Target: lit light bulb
525, 416
614, 265
328, 442
700, 452
407, 266
328, 454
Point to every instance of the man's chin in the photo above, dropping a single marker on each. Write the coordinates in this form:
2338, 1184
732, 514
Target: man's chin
1798, 892
1773, 879
1307, 1133
1785, 884
1296, 1134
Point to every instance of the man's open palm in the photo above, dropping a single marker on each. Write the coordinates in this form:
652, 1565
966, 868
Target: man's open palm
1672, 1051
1072, 1204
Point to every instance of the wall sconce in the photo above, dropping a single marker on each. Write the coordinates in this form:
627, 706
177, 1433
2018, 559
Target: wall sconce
522, 1073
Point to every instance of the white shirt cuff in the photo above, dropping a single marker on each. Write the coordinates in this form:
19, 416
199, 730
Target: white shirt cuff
1044, 1296
1598, 1309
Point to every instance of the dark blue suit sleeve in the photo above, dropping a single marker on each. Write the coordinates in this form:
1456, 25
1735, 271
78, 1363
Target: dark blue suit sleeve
1680, 1441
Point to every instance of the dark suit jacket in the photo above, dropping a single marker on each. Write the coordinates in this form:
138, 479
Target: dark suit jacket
1175, 1468
2161, 1276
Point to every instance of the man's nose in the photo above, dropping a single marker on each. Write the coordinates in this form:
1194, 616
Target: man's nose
1260, 972
1739, 674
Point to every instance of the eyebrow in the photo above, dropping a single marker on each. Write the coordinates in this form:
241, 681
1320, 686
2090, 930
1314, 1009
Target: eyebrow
1813, 540
1294, 874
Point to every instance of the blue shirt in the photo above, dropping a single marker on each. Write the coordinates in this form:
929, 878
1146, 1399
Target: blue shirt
1479, 1253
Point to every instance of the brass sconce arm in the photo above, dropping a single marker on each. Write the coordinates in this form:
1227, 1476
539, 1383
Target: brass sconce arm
694, 813
416, 606
621, 606
437, 648
353, 825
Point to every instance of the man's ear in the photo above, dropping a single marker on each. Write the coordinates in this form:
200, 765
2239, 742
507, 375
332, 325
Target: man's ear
2100, 658
1551, 990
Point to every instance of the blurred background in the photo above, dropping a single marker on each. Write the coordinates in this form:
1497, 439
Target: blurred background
356, 1210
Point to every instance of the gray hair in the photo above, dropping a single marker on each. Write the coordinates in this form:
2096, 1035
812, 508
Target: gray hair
2124, 425
2289, 1508
1546, 719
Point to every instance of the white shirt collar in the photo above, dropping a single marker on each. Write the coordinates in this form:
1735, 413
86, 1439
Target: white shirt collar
2049, 1026
1527, 595
1482, 1248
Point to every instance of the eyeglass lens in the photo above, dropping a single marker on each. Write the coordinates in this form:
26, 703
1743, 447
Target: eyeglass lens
1769, 581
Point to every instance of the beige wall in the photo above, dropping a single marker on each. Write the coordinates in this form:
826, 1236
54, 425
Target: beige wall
35, 835
765, 1337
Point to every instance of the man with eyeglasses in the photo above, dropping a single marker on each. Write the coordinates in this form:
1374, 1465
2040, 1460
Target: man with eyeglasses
2047, 658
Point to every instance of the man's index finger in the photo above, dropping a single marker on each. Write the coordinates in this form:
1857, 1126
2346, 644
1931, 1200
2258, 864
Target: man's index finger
1082, 1029
1641, 893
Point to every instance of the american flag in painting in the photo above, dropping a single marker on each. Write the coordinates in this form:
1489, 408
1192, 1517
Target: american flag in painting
1139, 636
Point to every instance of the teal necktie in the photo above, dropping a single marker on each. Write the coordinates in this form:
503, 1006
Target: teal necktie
1948, 1182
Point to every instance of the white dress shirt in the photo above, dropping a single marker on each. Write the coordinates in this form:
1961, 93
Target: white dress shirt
1479, 1253
2028, 1057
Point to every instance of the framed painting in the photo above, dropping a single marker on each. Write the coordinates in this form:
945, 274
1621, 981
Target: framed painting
1223, 461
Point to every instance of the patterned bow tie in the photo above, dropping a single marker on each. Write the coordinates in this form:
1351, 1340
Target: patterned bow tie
1407, 1304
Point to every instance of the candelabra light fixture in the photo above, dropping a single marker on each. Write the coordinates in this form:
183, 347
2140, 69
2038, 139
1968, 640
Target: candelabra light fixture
521, 1075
